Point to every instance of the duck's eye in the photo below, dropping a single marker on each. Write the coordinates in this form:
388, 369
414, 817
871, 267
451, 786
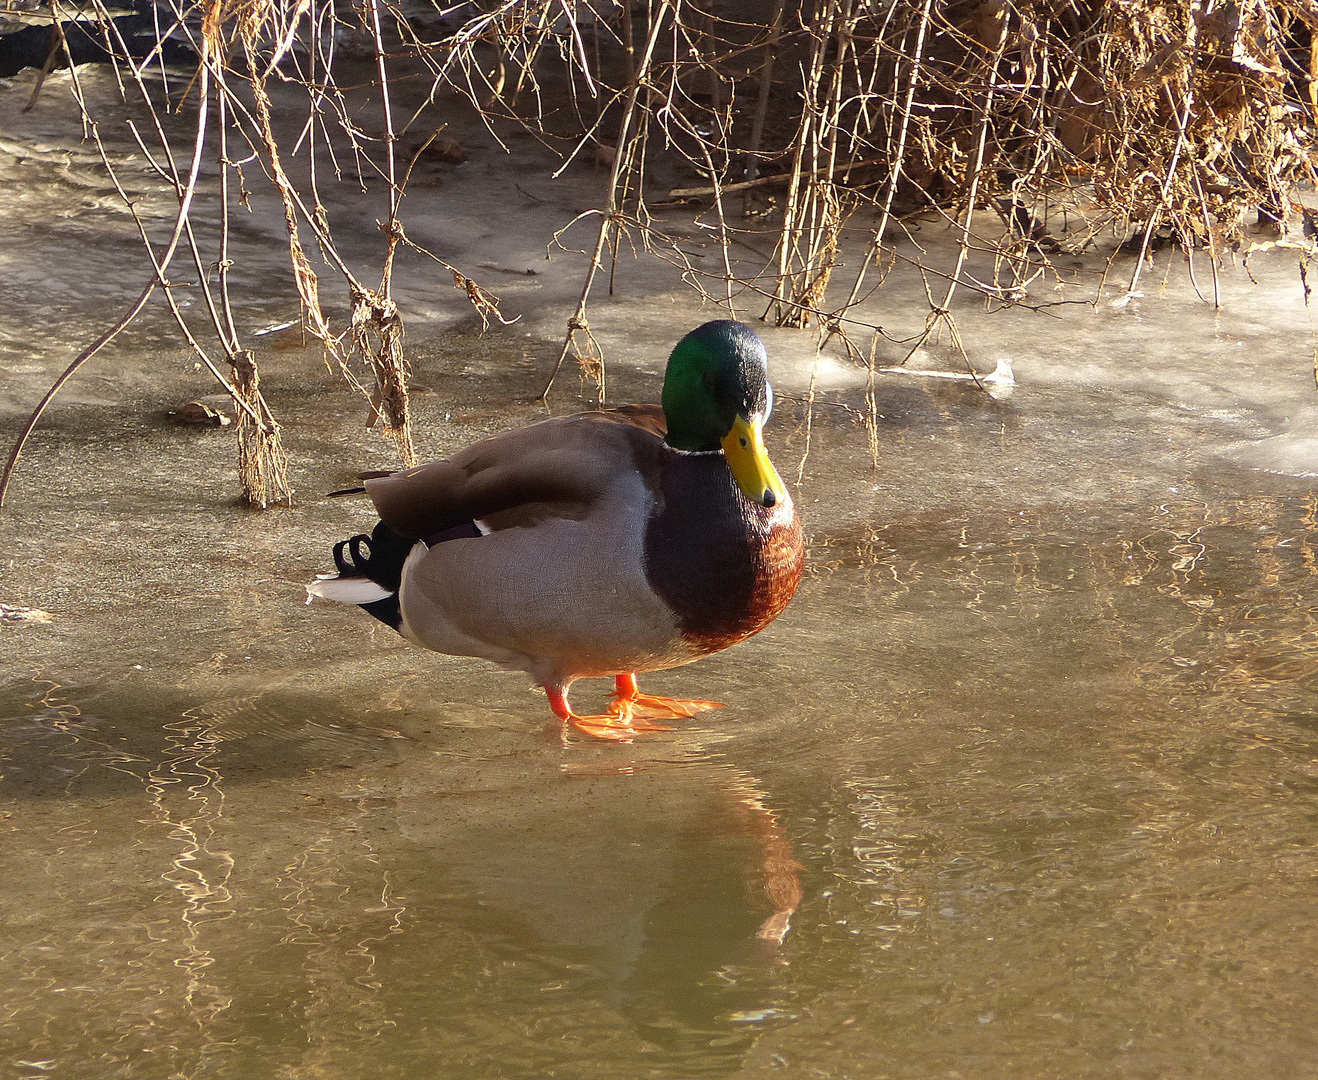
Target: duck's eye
709, 381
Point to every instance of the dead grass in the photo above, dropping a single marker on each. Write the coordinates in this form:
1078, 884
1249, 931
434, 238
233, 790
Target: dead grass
1068, 120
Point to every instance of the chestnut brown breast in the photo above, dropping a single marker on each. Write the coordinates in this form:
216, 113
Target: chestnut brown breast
725, 565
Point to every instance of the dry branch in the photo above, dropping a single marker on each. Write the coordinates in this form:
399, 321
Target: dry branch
1068, 119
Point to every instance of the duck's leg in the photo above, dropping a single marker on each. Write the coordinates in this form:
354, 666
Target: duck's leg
629, 700
618, 725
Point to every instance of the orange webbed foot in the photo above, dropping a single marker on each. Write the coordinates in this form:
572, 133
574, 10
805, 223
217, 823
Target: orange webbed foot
629, 699
618, 725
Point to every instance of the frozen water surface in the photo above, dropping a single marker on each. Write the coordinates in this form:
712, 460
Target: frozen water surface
1039, 728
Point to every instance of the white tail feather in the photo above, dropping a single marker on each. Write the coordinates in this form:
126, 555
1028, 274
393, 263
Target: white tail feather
347, 590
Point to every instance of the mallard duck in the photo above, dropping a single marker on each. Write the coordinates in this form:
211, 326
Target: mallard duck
602, 544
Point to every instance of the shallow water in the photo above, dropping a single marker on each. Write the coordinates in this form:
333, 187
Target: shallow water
1030, 765
1049, 777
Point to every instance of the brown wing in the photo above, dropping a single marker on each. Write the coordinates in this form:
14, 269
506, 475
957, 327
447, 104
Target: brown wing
556, 468
646, 417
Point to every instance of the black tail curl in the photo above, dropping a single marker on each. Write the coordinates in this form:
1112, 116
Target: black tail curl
379, 557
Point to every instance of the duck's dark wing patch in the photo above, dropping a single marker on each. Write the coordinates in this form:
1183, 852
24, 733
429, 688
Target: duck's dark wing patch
467, 530
557, 468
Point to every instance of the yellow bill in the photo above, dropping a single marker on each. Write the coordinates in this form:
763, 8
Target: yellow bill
751, 467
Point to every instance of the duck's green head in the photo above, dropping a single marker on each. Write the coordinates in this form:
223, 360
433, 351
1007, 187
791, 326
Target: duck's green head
717, 397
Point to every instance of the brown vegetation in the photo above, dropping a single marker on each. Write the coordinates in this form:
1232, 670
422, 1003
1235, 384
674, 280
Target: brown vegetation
1071, 119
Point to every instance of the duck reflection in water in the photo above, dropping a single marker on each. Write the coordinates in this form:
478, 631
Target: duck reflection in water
419, 897
660, 890
778, 871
